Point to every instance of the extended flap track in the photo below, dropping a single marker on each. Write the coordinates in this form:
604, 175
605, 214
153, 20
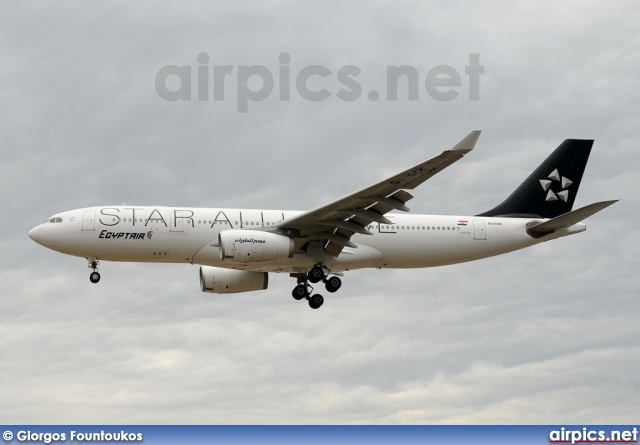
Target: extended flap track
360, 218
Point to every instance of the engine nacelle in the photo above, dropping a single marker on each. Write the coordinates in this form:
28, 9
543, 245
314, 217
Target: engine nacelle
245, 246
229, 281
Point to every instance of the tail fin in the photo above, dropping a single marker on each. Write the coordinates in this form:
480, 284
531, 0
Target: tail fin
552, 188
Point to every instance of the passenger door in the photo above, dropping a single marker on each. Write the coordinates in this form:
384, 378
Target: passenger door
479, 232
89, 220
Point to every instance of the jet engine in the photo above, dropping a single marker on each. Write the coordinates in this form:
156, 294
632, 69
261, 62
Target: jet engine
229, 281
245, 246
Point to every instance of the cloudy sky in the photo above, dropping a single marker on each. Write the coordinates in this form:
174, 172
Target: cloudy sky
545, 335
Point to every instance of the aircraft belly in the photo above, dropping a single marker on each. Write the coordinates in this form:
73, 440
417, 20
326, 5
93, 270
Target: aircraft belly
299, 263
349, 259
416, 249
145, 246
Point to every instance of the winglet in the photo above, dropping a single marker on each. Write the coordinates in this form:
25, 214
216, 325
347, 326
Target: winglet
467, 144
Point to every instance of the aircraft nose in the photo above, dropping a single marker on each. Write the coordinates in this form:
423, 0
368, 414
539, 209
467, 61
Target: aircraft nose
37, 234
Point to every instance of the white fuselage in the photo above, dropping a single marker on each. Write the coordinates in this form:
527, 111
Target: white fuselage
189, 235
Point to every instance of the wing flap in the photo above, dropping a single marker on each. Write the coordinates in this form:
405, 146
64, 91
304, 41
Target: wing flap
370, 215
333, 248
335, 238
347, 225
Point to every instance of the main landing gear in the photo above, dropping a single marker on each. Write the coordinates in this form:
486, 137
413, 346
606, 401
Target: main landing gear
315, 275
94, 277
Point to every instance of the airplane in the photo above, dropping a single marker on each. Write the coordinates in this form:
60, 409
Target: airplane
238, 248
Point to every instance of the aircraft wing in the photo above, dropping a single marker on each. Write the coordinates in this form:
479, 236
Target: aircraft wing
333, 224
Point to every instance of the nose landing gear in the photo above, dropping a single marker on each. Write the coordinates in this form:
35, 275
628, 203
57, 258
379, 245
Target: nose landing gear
94, 277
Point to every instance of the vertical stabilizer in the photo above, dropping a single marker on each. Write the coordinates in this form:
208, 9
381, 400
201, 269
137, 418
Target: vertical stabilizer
551, 189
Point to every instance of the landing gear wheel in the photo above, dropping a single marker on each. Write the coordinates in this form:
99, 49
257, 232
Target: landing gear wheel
333, 284
300, 292
316, 274
316, 301
94, 277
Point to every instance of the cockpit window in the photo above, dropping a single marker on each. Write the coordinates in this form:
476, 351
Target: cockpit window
54, 220
58, 220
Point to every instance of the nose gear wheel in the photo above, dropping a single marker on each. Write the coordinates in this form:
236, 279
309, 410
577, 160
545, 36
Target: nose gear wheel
94, 277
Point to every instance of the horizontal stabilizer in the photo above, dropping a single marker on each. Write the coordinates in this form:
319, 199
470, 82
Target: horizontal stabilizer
571, 218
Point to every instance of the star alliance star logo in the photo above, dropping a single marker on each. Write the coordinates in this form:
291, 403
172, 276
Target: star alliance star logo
564, 183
